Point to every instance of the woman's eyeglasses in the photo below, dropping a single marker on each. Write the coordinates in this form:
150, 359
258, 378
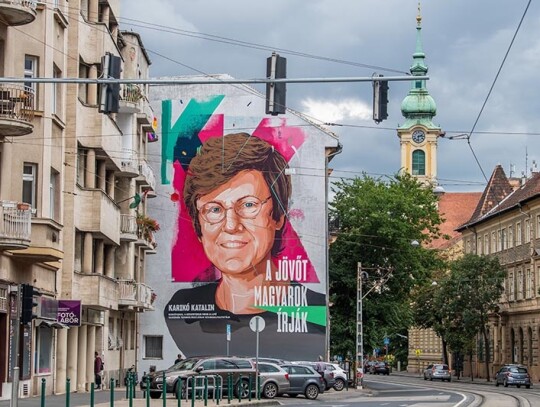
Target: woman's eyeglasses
246, 208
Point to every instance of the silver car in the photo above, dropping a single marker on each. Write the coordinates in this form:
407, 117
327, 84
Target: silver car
513, 375
340, 376
274, 380
437, 371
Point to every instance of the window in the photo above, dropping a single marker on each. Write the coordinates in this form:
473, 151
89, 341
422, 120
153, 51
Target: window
153, 347
511, 285
56, 94
43, 353
486, 244
510, 236
520, 285
527, 231
529, 284
83, 87
54, 194
418, 162
538, 226
493, 243
479, 245
499, 240
31, 71
81, 166
518, 233
29, 184
504, 243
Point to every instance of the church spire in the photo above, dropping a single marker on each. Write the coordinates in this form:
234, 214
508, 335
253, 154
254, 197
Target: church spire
418, 107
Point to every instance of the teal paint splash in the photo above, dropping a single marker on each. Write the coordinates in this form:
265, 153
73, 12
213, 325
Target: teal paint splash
187, 127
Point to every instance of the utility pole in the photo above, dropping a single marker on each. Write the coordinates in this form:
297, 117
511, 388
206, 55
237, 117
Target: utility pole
15, 362
359, 331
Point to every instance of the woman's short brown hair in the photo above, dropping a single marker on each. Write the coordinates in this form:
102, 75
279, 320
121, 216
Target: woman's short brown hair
220, 159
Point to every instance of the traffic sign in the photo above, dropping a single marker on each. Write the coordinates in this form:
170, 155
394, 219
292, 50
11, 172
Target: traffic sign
256, 324
386, 340
229, 332
418, 352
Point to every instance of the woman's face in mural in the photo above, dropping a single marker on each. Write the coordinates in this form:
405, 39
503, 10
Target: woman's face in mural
236, 223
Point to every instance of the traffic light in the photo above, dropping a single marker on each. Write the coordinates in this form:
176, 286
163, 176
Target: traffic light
380, 100
276, 68
28, 303
110, 92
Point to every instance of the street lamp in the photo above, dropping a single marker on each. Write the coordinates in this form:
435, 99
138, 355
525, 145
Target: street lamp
359, 328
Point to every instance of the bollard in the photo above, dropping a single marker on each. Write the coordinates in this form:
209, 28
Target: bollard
229, 387
43, 392
164, 388
111, 392
92, 389
249, 388
205, 390
67, 391
217, 389
179, 391
147, 388
130, 390
126, 380
239, 389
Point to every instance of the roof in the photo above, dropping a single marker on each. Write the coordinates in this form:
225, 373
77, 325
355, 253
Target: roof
455, 208
501, 199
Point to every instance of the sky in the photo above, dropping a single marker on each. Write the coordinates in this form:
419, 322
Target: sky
465, 42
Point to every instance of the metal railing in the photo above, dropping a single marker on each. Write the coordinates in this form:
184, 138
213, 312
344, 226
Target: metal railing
128, 224
131, 93
130, 160
148, 173
15, 220
17, 102
31, 4
131, 292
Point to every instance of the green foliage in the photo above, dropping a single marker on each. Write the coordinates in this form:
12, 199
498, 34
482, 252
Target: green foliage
378, 221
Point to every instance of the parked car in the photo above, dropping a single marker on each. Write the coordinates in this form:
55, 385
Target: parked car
380, 368
304, 380
438, 371
274, 380
513, 375
340, 376
327, 372
238, 368
272, 360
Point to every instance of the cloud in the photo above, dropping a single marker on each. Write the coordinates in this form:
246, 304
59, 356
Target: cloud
335, 111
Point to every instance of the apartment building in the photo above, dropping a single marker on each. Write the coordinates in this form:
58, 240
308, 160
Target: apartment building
506, 224
73, 190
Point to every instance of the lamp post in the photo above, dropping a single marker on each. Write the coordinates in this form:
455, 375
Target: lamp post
359, 328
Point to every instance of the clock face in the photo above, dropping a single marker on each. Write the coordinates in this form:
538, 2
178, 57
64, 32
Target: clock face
418, 136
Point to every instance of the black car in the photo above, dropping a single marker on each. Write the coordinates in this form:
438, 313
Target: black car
380, 368
192, 371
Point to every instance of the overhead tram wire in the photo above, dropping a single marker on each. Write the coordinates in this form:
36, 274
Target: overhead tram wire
492, 86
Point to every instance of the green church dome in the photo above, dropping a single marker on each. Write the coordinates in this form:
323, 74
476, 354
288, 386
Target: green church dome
418, 102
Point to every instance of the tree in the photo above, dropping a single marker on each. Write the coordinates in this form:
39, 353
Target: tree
379, 218
472, 291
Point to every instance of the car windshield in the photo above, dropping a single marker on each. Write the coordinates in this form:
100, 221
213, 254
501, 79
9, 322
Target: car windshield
186, 364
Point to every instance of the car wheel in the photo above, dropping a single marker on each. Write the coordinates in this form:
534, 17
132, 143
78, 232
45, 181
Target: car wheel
182, 390
505, 383
311, 392
242, 389
155, 395
339, 384
449, 379
270, 390
430, 379
518, 386
425, 378
527, 386
496, 383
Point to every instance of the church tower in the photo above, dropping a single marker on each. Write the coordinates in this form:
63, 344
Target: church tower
418, 135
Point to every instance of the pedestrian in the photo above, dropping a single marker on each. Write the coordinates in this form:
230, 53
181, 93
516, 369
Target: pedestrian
179, 358
98, 368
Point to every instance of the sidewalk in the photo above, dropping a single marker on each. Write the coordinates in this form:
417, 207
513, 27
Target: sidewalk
462, 379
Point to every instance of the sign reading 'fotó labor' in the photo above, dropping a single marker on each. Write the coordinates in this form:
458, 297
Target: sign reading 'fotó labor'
69, 312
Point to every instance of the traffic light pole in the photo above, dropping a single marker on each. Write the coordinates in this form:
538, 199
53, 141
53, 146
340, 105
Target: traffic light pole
15, 362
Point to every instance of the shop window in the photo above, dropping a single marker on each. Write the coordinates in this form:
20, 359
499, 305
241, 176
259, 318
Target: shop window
43, 353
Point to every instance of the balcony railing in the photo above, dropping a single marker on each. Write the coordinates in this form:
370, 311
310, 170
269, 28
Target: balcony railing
134, 294
129, 164
18, 12
128, 227
15, 225
149, 178
17, 104
131, 93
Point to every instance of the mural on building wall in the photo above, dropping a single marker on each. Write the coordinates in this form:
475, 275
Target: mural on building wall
236, 253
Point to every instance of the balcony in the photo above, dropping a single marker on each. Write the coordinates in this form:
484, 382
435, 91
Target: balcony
147, 179
17, 12
96, 291
45, 246
98, 214
135, 295
146, 114
15, 225
129, 164
128, 228
130, 96
17, 105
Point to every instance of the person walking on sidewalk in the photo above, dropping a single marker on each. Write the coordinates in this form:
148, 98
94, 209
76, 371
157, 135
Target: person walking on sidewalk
98, 368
